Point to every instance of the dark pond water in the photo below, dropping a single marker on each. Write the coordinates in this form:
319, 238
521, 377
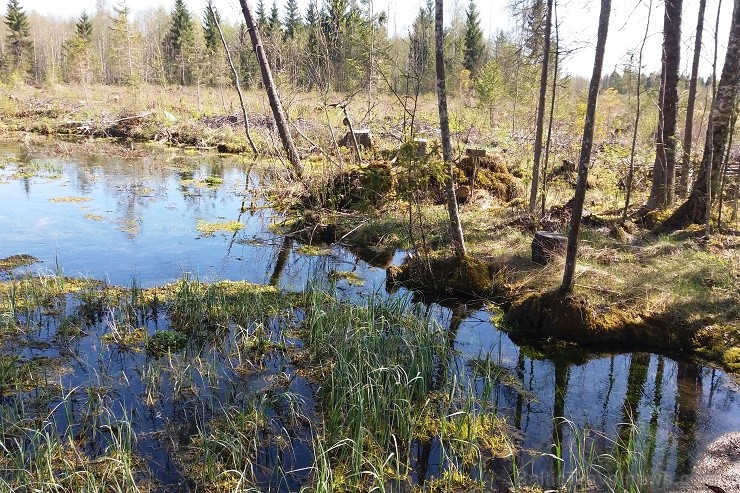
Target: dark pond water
138, 219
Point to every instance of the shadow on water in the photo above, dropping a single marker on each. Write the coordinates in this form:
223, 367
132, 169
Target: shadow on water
114, 219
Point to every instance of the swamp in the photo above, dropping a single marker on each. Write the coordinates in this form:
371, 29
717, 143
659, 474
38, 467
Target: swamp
368, 250
162, 332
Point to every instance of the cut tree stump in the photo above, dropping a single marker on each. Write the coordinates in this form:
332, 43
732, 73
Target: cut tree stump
422, 147
545, 244
364, 139
475, 152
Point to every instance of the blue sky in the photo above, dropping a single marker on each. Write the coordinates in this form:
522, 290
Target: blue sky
578, 20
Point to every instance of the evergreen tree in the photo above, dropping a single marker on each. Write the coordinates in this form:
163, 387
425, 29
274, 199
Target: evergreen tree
77, 52
210, 32
18, 36
123, 54
312, 24
247, 63
292, 18
421, 43
213, 60
84, 27
273, 24
261, 13
178, 44
475, 48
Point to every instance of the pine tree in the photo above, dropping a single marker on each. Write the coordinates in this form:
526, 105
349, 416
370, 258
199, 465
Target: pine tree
292, 18
475, 48
18, 36
123, 55
178, 44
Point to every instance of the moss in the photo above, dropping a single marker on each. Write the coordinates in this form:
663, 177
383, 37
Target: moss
355, 189
352, 278
165, 341
469, 277
731, 359
209, 229
15, 261
573, 317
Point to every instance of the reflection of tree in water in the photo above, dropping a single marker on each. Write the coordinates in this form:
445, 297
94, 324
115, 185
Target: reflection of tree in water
561, 369
655, 414
688, 402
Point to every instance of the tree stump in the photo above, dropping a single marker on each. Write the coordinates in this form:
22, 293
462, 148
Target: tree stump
545, 244
463, 194
475, 152
363, 137
422, 148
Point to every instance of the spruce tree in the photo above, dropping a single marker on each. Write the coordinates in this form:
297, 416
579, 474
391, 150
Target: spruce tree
292, 18
179, 43
84, 27
421, 48
210, 31
213, 54
18, 36
273, 24
261, 13
77, 52
474, 46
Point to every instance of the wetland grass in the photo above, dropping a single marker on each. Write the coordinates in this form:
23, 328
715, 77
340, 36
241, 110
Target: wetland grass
258, 390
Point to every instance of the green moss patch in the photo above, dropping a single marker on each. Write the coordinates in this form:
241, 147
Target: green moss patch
209, 229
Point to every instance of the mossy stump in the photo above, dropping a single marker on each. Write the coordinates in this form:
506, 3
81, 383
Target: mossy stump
572, 317
467, 278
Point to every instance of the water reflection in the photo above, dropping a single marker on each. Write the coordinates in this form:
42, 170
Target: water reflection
676, 406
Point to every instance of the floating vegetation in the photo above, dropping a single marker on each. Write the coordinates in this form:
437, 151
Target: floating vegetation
74, 200
94, 217
15, 261
207, 182
130, 226
165, 341
209, 229
312, 250
351, 277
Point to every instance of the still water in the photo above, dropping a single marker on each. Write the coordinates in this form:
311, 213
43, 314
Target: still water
122, 219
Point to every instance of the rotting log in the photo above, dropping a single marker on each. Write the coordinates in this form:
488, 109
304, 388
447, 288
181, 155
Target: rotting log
545, 244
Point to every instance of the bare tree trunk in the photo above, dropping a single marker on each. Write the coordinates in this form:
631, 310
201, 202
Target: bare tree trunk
541, 110
236, 78
683, 188
631, 175
725, 165
272, 95
586, 144
695, 209
552, 110
664, 168
458, 241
